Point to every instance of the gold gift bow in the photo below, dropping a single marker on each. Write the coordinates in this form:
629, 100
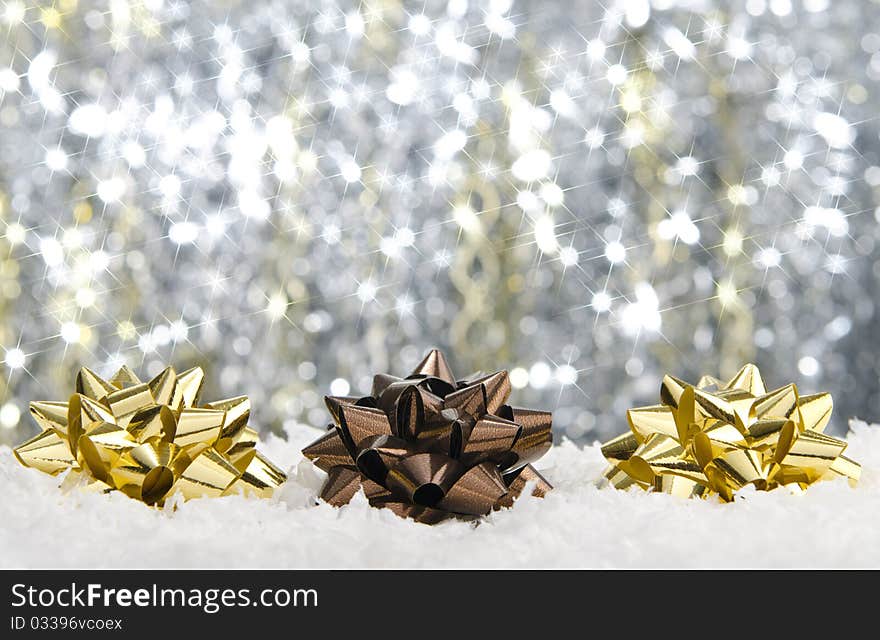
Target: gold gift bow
715, 438
430, 447
151, 440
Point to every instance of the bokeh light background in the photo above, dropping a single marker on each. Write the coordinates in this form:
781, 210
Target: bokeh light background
297, 194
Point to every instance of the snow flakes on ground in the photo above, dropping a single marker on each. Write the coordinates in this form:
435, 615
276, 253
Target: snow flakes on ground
576, 525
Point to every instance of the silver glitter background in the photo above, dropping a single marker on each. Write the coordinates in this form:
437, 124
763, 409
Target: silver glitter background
296, 195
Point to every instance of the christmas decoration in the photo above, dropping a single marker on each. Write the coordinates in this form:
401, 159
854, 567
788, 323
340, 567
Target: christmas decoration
151, 440
717, 437
430, 447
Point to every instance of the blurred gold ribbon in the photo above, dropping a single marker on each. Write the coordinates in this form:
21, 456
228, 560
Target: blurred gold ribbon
717, 437
151, 440
430, 447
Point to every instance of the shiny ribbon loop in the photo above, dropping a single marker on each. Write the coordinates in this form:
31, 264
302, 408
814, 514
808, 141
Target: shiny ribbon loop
149, 440
717, 437
430, 447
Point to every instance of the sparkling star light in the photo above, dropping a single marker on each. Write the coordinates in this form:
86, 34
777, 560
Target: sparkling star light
589, 196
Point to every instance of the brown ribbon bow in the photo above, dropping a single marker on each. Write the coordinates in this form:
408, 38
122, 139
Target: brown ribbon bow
429, 447
152, 439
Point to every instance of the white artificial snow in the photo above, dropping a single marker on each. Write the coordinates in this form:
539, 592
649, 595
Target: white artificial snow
576, 525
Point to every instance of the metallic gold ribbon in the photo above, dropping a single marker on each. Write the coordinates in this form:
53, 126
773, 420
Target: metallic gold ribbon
151, 440
430, 447
717, 437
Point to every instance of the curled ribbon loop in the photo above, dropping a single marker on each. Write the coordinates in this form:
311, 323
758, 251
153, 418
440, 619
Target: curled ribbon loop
717, 437
151, 440
430, 447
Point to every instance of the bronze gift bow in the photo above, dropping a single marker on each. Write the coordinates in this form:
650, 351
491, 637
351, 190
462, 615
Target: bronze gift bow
715, 438
151, 439
429, 447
